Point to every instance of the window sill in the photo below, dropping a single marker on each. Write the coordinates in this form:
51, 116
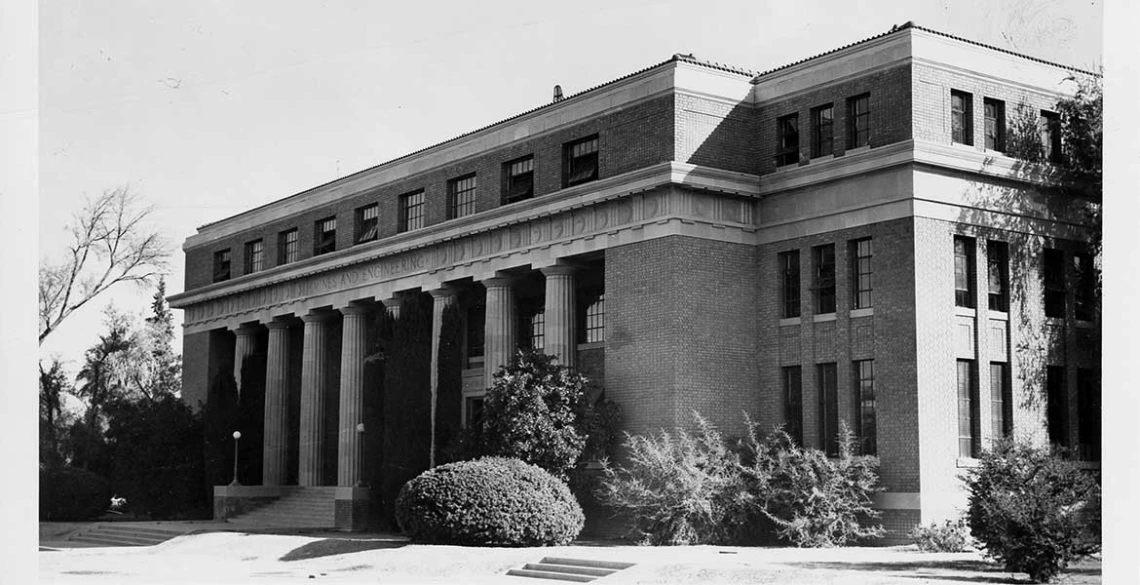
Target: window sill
965, 312
823, 318
1086, 324
967, 463
591, 345
860, 150
868, 312
998, 316
963, 146
823, 158
790, 321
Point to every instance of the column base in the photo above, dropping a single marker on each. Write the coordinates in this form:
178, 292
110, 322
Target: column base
352, 508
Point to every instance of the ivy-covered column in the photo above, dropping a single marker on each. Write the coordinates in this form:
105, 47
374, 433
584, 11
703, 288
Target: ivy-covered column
561, 334
500, 328
442, 298
245, 341
312, 460
353, 349
275, 453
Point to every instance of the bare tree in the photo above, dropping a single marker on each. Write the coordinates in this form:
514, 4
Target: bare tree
111, 243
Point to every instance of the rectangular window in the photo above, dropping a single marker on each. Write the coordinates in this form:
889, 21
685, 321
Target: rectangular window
538, 330
287, 246
793, 403
221, 265
518, 180
790, 282
596, 320
1057, 406
1054, 269
367, 223
961, 117
828, 408
1089, 413
1001, 401
476, 322
823, 258
822, 133
324, 236
1085, 287
967, 410
859, 121
461, 197
253, 257
580, 161
788, 140
411, 211
473, 411
997, 275
865, 405
995, 124
964, 271
861, 273
1051, 135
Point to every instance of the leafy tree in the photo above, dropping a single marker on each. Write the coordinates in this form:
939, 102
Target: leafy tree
54, 420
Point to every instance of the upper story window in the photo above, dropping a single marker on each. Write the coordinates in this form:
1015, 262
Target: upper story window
580, 161
1051, 135
961, 117
1085, 286
518, 180
997, 273
596, 320
367, 223
964, 271
287, 246
995, 124
1054, 268
324, 236
861, 273
789, 266
859, 121
822, 133
788, 140
222, 265
254, 257
411, 211
823, 258
461, 196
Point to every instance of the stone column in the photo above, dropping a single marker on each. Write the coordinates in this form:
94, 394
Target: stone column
244, 346
442, 298
500, 333
353, 349
561, 318
275, 443
312, 460
392, 304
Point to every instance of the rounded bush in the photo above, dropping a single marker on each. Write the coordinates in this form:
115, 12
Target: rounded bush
494, 501
68, 493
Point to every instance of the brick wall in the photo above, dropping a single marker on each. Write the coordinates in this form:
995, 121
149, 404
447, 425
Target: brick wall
195, 368
716, 134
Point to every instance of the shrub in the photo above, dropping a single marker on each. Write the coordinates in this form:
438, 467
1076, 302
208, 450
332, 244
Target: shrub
493, 501
1031, 511
70, 493
952, 536
677, 488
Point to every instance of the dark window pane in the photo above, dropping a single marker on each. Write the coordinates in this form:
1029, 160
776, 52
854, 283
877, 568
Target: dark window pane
824, 257
793, 404
1057, 408
1054, 261
789, 265
967, 410
865, 405
997, 275
829, 409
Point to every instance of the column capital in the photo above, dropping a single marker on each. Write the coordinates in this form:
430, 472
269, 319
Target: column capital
246, 329
559, 270
317, 316
444, 292
277, 324
355, 310
498, 281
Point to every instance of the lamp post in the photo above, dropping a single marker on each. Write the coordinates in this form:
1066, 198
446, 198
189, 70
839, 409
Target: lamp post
360, 454
237, 436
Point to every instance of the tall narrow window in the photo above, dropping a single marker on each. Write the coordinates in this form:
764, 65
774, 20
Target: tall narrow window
790, 282
865, 405
997, 274
828, 408
793, 403
596, 320
222, 265
1057, 406
961, 117
580, 161
473, 411
995, 124
823, 258
1001, 401
1089, 412
461, 197
964, 271
1086, 287
367, 223
822, 131
967, 410
411, 211
788, 140
1051, 135
1054, 268
861, 273
253, 257
287, 246
859, 121
324, 236
476, 322
538, 330
518, 180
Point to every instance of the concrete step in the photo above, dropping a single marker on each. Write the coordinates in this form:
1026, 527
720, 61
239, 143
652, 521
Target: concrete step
585, 571
586, 563
550, 575
141, 531
104, 540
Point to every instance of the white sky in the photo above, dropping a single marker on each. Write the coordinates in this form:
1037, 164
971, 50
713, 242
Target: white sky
207, 109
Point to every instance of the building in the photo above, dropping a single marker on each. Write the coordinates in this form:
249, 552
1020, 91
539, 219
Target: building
842, 239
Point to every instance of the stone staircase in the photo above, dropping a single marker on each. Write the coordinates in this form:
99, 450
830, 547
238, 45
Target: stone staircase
564, 569
307, 507
117, 534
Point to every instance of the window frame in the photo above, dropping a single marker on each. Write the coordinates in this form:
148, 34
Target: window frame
1001, 402
967, 391
995, 129
458, 203
223, 265
827, 386
865, 412
594, 329
788, 140
1051, 143
820, 137
324, 238
788, 264
862, 274
997, 272
858, 122
965, 267
254, 256
288, 249
1053, 282
793, 394
510, 177
961, 118
367, 228
823, 281
412, 206
571, 161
